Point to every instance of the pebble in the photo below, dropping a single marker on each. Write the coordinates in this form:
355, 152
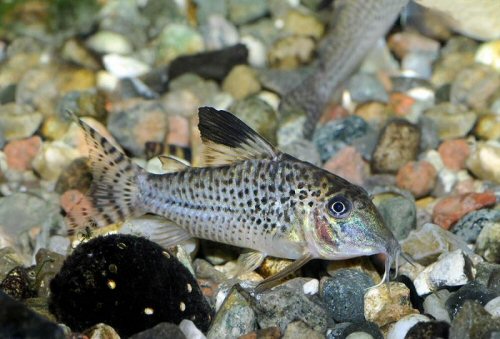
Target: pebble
411, 42
303, 150
348, 164
488, 242
101, 331
429, 330
244, 11
469, 226
18, 121
298, 329
76, 175
454, 153
474, 86
452, 269
17, 320
473, 321
218, 32
398, 144
484, 162
241, 82
472, 291
434, 304
84, 103
364, 87
402, 104
488, 127
105, 42
177, 39
417, 177
291, 52
336, 134
162, 330
450, 209
136, 122
403, 325
265, 333
425, 244
124, 66
190, 330
451, 121
53, 158
20, 153
235, 317
398, 211
493, 307
75, 52
259, 115
488, 53
359, 330
214, 64
383, 307
283, 304
9, 259
343, 294
373, 112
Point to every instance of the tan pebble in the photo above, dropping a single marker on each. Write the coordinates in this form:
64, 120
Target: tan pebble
111, 284
384, 306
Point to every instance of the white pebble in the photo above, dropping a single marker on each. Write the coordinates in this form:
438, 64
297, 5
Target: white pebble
190, 330
403, 325
311, 287
493, 307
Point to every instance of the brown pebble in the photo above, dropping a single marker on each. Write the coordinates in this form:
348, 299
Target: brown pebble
20, 153
454, 153
265, 333
348, 164
418, 177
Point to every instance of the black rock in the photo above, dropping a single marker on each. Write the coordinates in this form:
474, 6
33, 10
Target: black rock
429, 330
416, 300
472, 291
209, 65
127, 282
342, 330
162, 330
343, 294
18, 321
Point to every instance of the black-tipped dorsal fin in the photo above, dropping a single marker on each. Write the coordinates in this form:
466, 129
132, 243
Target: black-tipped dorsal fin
228, 139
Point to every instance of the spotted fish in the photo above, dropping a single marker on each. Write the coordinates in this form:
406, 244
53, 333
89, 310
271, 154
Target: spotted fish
250, 195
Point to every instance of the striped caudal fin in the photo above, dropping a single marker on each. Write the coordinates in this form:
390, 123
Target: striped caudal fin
114, 193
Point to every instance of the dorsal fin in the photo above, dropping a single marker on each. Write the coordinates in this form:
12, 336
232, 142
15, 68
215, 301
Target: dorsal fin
228, 139
172, 163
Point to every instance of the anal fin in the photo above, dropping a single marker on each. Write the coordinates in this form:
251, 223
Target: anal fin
157, 229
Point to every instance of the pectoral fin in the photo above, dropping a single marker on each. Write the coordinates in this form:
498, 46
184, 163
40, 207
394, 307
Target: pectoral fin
274, 279
167, 233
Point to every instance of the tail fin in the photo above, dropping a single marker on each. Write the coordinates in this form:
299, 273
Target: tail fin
114, 192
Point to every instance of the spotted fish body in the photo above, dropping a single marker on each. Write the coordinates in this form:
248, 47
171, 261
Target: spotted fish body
251, 196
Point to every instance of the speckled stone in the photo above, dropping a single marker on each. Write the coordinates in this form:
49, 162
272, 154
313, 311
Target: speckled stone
450, 120
364, 87
473, 321
398, 144
343, 294
398, 211
473, 291
469, 227
336, 134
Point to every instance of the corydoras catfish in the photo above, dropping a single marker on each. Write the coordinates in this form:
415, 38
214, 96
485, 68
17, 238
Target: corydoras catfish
250, 195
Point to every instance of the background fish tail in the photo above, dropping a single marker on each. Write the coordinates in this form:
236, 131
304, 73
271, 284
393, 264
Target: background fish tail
114, 193
356, 26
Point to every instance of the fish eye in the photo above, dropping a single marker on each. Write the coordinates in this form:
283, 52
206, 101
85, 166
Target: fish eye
339, 207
